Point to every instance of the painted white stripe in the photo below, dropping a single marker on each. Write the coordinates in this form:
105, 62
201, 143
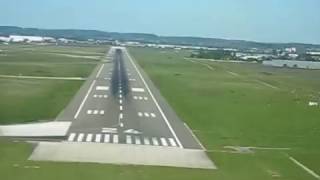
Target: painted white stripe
98, 138
155, 101
121, 116
146, 141
120, 91
115, 139
140, 114
155, 141
80, 137
107, 138
172, 142
95, 112
120, 101
89, 138
146, 114
100, 96
120, 96
89, 112
102, 88
128, 139
137, 140
140, 98
71, 136
135, 97
194, 136
132, 79
105, 96
121, 108
84, 100
153, 115
102, 112
137, 89
106, 78
99, 72
95, 96
146, 98
164, 141
311, 172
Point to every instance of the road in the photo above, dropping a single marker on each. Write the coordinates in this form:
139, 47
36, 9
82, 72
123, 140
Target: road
119, 104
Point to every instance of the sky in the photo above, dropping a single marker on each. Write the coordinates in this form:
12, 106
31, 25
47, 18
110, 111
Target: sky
256, 20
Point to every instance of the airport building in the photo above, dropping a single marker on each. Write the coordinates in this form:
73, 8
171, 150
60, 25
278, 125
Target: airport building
293, 64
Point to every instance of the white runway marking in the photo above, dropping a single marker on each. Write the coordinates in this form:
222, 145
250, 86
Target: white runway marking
146, 141
98, 138
120, 101
164, 142
137, 89
155, 141
99, 72
105, 96
109, 130
115, 139
146, 114
132, 79
155, 101
172, 142
135, 97
84, 100
140, 98
153, 115
107, 78
89, 138
120, 96
102, 112
95, 112
72, 136
102, 88
137, 140
140, 114
146, 98
121, 116
128, 139
80, 137
89, 112
107, 138
121, 108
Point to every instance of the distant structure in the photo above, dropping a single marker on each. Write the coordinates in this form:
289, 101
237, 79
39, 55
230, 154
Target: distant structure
17, 38
293, 64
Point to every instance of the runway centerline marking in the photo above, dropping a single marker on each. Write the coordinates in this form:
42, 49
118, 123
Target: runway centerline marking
84, 100
152, 96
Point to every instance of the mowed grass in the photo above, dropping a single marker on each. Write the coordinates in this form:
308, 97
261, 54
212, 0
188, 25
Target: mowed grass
49, 60
222, 109
26, 100
29, 100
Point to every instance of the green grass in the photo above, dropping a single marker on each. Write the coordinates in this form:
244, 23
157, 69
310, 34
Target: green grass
26, 100
32, 100
222, 109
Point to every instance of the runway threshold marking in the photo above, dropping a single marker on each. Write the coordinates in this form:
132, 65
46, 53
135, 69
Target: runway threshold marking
157, 104
84, 99
72, 136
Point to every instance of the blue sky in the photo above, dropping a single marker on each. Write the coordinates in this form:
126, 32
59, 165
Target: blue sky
258, 20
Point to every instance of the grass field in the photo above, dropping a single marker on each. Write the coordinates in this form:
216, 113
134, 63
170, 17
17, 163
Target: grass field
25, 100
225, 105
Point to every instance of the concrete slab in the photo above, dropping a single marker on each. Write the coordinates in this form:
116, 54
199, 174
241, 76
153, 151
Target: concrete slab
45, 129
121, 154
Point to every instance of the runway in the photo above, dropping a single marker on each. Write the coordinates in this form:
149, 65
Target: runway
119, 104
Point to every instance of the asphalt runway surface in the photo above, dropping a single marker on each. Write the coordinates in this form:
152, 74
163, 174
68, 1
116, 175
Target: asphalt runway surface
119, 104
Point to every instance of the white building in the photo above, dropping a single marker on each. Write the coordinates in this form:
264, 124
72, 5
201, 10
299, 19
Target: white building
293, 64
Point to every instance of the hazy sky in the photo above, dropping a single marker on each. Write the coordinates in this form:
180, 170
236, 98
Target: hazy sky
259, 20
